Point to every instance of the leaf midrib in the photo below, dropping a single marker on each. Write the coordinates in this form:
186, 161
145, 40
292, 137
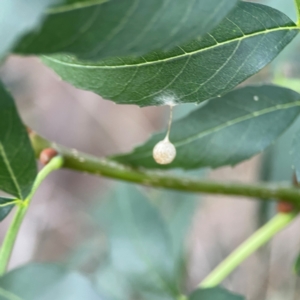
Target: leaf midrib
10, 170
74, 6
253, 115
225, 125
173, 57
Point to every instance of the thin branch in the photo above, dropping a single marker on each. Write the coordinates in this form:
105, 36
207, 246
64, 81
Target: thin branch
297, 4
254, 242
11, 235
82, 162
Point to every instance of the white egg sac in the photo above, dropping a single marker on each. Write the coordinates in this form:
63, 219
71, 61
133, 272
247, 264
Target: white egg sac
164, 152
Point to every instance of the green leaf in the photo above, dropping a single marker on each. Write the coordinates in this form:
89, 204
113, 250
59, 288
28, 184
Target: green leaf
179, 226
95, 30
17, 161
18, 17
295, 152
178, 216
140, 243
214, 294
47, 282
5, 207
225, 131
237, 48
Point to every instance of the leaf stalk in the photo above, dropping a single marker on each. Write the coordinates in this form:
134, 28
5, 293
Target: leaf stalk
257, 240
22, 207
297, 4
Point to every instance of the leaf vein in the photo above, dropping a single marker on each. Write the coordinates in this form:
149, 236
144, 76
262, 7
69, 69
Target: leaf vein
86, 66
10, 170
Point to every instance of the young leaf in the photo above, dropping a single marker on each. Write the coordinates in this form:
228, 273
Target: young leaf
98, 29
5, 208
226, 130
18, 17
295, 152
47, 282
241, 45
17, 161
140, 244
214, 294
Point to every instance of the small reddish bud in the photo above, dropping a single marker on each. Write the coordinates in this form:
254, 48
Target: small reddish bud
47, 154
285, 207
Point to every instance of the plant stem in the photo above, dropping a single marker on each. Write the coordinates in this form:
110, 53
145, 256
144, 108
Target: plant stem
10, 238
76, 160
297, 3
22, 207
258, 239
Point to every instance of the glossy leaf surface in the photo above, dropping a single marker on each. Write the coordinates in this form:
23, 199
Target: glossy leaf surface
226, 130
241, 45
17, 161
98, 29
